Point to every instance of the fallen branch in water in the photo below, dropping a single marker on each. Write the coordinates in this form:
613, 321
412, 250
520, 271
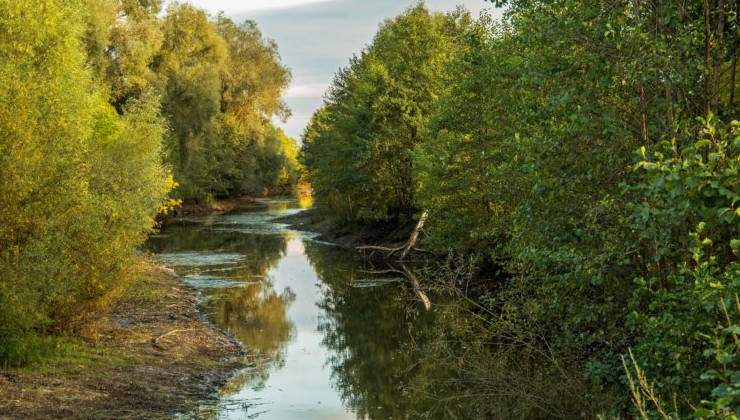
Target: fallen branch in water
417, 287
406, 272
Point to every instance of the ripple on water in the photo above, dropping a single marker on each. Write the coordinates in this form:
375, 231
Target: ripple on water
200, 281
263, 229
362, 283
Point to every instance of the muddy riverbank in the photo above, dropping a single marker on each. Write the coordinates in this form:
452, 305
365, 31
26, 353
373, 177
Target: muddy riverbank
348, 237
151, 356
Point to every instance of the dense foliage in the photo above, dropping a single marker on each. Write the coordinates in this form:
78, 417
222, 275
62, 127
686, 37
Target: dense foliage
221, 85
359, 145
100, 103
589, 147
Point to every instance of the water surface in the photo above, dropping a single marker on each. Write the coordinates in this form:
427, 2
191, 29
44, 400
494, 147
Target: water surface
327, 337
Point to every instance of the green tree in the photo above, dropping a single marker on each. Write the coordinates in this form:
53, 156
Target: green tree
253, 78
80, 185
189, 66
122, 38
221, 85
377, 107
537, 138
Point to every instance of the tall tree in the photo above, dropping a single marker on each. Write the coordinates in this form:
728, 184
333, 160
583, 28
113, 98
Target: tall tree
189, 65
377, 107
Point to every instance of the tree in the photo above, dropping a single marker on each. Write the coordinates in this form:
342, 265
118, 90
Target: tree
79, 184
221, 85
377, 107
189, 65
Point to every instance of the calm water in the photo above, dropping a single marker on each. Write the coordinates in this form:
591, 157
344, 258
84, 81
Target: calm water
327, 339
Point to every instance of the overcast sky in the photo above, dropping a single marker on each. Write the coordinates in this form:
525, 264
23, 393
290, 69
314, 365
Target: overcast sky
317, 37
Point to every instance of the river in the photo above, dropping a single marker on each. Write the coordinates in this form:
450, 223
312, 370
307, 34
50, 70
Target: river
329, 336
326, 338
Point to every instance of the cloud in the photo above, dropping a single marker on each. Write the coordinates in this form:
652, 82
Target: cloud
316, 40
306, 91
241, 6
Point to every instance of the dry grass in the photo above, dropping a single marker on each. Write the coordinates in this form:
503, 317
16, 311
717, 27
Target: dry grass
150, 357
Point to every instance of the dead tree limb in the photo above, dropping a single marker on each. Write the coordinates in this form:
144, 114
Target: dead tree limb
406, 272
417, 287
406, 247
415, 234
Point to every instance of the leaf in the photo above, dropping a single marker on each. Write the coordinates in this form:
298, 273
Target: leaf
703, 413
702, 143
724, 358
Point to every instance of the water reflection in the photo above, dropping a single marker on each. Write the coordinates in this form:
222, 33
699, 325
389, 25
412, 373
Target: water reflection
326, 337
257, 315
335, 336
230, 265
205, 252
370, 334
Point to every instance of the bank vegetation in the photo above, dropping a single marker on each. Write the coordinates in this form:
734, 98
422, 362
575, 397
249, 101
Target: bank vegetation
110, 112
585, 154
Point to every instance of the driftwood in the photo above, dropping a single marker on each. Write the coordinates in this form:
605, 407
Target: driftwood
155, 341
406, 247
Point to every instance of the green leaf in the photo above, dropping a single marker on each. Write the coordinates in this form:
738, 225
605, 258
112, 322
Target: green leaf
703, 413
702, 143
733, 329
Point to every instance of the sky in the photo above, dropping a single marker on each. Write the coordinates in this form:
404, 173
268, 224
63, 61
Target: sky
316, 38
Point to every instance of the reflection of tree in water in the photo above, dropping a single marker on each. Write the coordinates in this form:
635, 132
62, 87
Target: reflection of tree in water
368, 331
256, 315
305, 201
475, 365
389, 361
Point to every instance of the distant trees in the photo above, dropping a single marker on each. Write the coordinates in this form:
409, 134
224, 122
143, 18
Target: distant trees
101, 102
359, 146
589, 147
221, 85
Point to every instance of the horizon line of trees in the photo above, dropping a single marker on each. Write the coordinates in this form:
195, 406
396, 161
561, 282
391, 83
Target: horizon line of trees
110, 111
590, 149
